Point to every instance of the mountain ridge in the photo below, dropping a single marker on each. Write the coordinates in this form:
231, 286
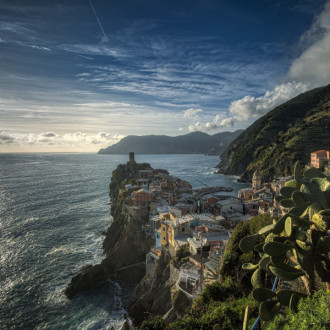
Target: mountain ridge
195, 142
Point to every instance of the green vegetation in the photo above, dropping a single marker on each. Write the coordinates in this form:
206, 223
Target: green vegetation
324, 164
220, 303
296, 246
313, 313
154, 323
181, 256
286, 134
233, 258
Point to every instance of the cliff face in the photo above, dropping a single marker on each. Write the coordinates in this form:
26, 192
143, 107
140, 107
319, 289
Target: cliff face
286, 134
152, 295
125, 244
125, 247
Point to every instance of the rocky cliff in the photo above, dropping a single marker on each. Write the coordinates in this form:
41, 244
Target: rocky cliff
125, 247
125, 244
153, 295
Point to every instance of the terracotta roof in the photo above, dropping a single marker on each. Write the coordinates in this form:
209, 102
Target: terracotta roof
319, 151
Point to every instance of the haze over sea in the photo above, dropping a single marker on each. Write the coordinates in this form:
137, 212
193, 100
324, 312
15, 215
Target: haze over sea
53, 208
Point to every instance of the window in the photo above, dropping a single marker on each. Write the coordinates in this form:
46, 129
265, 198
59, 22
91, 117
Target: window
163, 228
182, 229
164, 238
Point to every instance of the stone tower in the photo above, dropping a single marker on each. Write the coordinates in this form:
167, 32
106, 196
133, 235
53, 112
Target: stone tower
131, 158
256, 180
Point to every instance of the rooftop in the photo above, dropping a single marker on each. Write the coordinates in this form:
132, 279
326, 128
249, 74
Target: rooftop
179, 221
217, 236
181, 240
146, 191
204, 217
230, 201
319, 152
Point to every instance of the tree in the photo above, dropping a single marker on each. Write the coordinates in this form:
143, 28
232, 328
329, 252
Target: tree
323, 165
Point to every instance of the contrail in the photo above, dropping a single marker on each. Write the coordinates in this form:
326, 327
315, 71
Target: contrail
98, 20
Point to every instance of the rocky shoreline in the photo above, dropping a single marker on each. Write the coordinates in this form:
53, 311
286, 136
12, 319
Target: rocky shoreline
125, 246
128, 280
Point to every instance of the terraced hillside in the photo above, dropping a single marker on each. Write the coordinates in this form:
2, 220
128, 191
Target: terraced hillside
288, 133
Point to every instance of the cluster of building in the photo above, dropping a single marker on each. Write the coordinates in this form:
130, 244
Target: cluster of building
260, 199
198, 220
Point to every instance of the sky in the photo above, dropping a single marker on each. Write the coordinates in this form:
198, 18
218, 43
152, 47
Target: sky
77, 76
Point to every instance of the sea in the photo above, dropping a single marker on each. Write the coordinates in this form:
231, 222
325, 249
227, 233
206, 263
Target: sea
53, 210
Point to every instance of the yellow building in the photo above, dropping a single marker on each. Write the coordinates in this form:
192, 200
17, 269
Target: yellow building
164, 232
174, 229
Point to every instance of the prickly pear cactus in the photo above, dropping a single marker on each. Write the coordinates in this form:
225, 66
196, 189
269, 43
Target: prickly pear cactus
296, 245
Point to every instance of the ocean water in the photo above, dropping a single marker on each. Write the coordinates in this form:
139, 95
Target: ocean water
53, 209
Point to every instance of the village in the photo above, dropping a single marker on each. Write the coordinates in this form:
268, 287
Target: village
195, 224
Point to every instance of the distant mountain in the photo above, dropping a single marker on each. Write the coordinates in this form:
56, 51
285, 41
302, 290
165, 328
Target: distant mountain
288, 133
192, 143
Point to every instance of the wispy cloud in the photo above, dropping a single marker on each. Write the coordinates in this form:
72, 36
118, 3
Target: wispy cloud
15, 28
92, 49
40, 47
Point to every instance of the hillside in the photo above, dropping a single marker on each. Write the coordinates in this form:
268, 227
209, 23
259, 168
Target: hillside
192, 143
288, 133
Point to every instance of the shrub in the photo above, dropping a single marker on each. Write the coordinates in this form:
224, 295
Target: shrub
154, 323
233, 258
313, 313
181, 256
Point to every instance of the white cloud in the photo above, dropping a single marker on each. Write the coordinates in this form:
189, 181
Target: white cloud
219, 122
197, 127
49, 139
313, 65
254, 107
189, 113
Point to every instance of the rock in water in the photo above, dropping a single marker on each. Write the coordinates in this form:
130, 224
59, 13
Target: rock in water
86, 278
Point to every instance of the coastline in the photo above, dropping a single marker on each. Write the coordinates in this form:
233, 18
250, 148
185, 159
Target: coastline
147, 285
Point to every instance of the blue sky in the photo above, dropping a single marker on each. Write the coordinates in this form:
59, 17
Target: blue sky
77, 79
